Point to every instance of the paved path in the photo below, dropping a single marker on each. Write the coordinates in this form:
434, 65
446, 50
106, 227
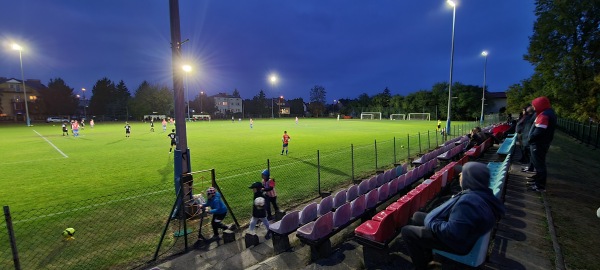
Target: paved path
522, 241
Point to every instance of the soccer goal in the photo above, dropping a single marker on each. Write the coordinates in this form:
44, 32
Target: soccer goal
419, 116
397, 116
370, 115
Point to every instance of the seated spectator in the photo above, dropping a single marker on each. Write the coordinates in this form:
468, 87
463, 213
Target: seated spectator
475, 138
456, 225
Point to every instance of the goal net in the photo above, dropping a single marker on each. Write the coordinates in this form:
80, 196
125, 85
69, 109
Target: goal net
397, 116
419, 116
370, 115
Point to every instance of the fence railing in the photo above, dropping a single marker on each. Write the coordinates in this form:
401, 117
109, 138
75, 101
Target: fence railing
123, 231
586, 132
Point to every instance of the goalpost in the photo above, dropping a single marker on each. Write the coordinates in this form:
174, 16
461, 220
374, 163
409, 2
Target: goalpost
397, 116
370, 115
419, 116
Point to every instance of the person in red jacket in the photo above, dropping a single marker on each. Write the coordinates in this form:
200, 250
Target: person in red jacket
540, 137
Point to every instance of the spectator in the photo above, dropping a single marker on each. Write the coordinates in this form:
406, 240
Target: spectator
458, 223
270, 193
215, 206
259, 213
529, 117
540, 137
475, 139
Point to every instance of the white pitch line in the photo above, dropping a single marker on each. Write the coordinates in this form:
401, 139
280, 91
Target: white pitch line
61, 152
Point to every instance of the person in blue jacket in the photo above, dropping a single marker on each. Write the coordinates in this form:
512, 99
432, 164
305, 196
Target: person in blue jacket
458, 223
215, 206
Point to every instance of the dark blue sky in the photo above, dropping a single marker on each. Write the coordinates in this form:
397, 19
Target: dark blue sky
348, 46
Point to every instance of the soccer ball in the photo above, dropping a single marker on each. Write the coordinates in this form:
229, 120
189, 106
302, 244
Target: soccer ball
260, 201
68, 233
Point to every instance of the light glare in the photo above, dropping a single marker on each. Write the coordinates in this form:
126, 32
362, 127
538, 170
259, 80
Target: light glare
484, 53
450, 2
187, 68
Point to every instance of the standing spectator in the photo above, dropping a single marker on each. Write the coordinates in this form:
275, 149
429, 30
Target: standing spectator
270, 193
215, 206
456, 225
173, 138
65, 130
259, 212
286, 140
528, 119
127, 130
540, 137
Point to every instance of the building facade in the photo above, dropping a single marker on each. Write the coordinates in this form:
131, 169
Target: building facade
227, 104
12, 99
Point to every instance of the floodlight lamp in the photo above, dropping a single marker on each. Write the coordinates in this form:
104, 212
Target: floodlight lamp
273, 79
450, 2
16, 47
186, 68
484, 53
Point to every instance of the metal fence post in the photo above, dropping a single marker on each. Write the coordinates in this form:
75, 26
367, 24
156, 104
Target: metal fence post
376, 155
428, 141
597, 135
394, 150
352, 159
319, 171
11, 237
420, 150
408, 146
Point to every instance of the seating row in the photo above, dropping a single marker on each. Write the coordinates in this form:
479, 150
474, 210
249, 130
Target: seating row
381, 229
433, 154
478, 150
337, 210
453, 152
507, 146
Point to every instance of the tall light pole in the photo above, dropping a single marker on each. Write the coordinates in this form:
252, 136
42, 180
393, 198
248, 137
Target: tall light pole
485, 54
19, 48
450, 2
84, 102
187, 69
273, 80
279, 105
201, 94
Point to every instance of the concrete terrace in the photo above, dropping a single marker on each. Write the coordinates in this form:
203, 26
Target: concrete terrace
522, 241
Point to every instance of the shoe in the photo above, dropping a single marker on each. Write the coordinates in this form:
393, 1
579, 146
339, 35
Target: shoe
536, 188
530, 183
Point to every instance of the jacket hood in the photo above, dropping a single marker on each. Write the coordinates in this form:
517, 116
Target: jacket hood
541, 104
475, 176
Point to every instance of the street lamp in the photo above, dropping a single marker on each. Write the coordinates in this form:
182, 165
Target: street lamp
187, 69
201, 94
273, 80
451, 3
19, 48
279, 104
485, 54
84, 102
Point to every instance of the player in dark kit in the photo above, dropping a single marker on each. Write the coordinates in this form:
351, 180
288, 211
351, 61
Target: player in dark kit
64, 129
151, 125
127, 130
173, 139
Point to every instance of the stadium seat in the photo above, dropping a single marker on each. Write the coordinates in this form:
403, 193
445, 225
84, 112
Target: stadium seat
326, 205
287, 224
380, 179
339, 198
373, 182
308, 213
401, 210
342, 215
372, 198
401, 182
359, 205
384, 192
393, 187
352, 193
317, 229
377, 231
363, 187
475, 257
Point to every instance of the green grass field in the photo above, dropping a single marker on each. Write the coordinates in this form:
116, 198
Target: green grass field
39, 165
117, 192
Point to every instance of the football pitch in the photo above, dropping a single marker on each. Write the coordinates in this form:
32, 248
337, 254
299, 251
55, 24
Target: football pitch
40, 166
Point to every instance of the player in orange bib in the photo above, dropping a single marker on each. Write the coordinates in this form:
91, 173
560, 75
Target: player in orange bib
286, 139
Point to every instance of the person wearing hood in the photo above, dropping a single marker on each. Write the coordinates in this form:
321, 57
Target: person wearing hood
540, 137
458, 223
214, 205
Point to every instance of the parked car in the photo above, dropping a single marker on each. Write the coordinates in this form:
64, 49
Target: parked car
53, 119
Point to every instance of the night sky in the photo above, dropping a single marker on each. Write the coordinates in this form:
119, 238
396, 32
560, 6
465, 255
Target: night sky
347, 46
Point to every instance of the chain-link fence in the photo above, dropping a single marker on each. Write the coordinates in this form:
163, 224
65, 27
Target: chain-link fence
586, 132
123, 231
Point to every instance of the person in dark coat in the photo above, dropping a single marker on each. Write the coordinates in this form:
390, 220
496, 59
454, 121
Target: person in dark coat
456, 225
540, 137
